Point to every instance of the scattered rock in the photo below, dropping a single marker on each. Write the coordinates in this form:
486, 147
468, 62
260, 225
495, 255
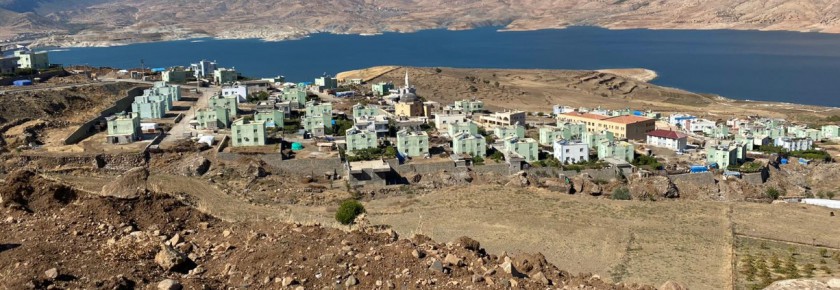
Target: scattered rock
509, 269
418, 254
476, 278
351, 281
288, 281
453, 260
539, 277
436, 266
170, 259
197, 166
469, 243
51, 274
169, 284
795, 284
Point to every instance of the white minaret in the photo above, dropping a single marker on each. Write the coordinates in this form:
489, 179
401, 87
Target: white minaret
406, 78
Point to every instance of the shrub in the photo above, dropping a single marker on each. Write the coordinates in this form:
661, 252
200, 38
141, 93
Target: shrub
497, 155
829, 195
348, 211
478, 160
773, 193
621, 193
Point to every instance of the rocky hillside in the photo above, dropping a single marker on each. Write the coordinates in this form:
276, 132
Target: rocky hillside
53, 235
82, 22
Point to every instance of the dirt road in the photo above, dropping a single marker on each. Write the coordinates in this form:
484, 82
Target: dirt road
178, 130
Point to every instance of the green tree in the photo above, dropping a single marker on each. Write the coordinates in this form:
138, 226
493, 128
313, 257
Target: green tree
830, 195
477, 160
497, 155
348, 211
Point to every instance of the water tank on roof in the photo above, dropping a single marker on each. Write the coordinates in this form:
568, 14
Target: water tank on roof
297, 146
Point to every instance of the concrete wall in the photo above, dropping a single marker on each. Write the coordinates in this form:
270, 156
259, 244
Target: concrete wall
88, 128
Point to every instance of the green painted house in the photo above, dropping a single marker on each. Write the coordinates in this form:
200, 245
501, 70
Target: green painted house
149, 107
722, 155
228, 102
225, 76
473, 144
382, 89
526, 148
272, 118
413, 144
360, 139
213, 118
616, 150
123, 128
503, 132
296, 96
360, 110
468, 127
595, 139
313, 109
247, 133
316, 125
831, 131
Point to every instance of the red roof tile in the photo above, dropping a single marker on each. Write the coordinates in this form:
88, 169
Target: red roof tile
666, 134
627, 119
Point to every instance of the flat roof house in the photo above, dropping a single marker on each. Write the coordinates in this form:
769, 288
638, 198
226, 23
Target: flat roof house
213, 118
123, 128
624, 127
570, 152
616, 150
360, 139
667, 139
526, 148
272, 118
32, 60
247, 133
228, 103
473, 144
413, 144
503, 118
505, 131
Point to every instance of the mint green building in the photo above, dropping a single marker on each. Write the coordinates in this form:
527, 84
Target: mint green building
616, 150
228, 102
595, 139
571, 131
271, 118
472, 144
316, 124
814, 134
326, 83
225, 76
123, 128
296, 96
360, 139
468, 106
33, 60
382, 89
523, 147
722, 155
247, 133
360, 110
721, 131
176, 76
469, 127
549, 134
502, 132
213, 118
413, 144
150, 107
313, 109
173, 92
831, 131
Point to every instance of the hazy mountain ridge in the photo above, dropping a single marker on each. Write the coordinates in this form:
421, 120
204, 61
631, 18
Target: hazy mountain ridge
104, 22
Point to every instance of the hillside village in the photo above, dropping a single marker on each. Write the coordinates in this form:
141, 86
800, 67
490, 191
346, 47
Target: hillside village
255, 145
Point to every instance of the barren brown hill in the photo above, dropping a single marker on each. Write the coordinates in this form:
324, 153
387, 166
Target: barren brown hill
539, 90
105, 22
55, 237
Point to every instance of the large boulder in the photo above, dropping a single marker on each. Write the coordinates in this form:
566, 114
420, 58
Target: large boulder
196, 166
653, 187
585, 184
170, 259
519, 179
798, 284
130, 185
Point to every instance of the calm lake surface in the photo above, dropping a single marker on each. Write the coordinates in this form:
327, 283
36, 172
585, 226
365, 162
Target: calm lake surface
772, 66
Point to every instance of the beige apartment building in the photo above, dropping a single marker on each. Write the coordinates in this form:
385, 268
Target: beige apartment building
623, 127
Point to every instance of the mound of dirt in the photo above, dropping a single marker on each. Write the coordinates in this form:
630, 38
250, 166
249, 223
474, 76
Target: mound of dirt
102, 242
131, 184
25, 190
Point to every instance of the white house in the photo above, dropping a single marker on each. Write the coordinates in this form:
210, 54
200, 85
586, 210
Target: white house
240, 91
700, 125
794, 144
668, 139
571, 152
442, 121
